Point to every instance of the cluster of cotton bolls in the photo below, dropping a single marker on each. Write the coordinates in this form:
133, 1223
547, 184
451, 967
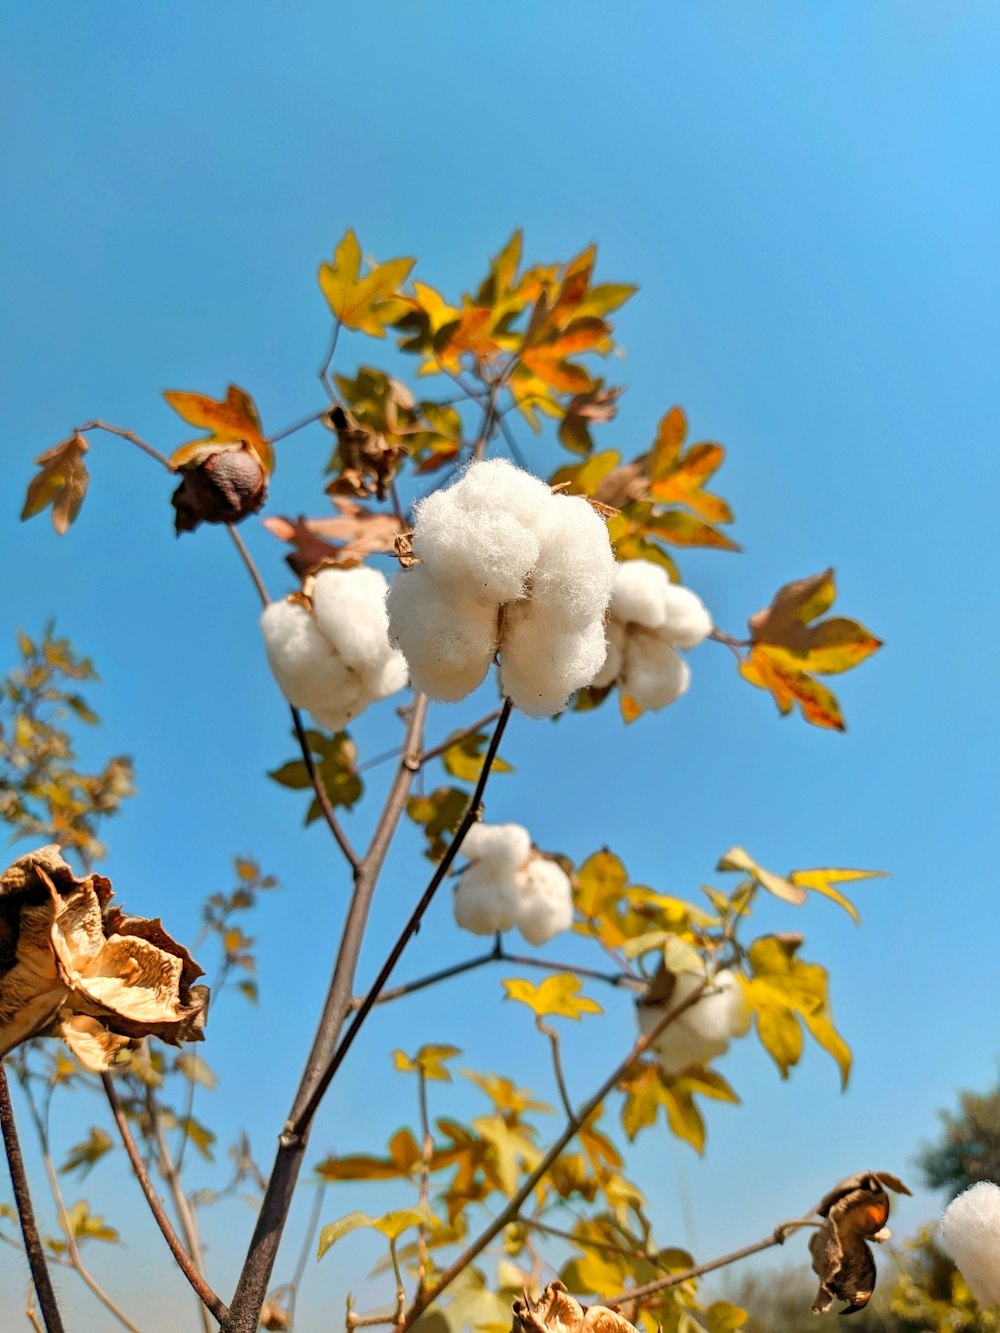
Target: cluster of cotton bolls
970, 1230
704, 1029
506, 566
506, 884
329, 646
650, 619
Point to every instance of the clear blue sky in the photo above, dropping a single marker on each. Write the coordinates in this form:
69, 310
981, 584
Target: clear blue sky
808, 196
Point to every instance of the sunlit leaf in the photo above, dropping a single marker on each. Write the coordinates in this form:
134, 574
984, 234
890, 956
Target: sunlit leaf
391, 1225
464, 757
558, 996
428, 1061
61, 483
786, 889
366, 303
230, 420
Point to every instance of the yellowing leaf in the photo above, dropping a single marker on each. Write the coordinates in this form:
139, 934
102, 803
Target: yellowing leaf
391, 1225
464, 757
783, 990
439, 814
557, 997
194, 1068
786, 889
404, 1157
61, 483
230, 420
427, 1061
823, 880
369, 303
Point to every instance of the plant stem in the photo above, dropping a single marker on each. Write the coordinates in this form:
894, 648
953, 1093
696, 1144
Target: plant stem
22, 1197
324, 370
298, 425
184, 1261
126, 435
427, 1149
247, 559
553, 1037
409, 987
306, 1251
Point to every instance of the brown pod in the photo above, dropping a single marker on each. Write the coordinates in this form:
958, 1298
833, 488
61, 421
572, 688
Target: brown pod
223, 488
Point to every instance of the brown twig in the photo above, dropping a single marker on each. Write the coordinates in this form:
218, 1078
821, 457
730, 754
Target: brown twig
22, 1197
298, 425
409, 987
247, 559
427, 1151
324, 370
553, 1037
129, 435
184, 1261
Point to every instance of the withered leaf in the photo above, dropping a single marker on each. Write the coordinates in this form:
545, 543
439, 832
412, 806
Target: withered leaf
556, 1311
61, 483
856, 1211
595, 405
367, 461
231, 420
362, 533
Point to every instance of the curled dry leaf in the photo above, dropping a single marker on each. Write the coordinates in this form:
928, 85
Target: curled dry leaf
61, 483
74, 967
361, 533
368, 462
856, 1212
556, 1311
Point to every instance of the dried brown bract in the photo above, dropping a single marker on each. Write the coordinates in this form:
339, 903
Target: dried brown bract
556, 1311
368, 462
856, 1212
221, 483
74, 967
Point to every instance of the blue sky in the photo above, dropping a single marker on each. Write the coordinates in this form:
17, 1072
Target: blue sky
808, 197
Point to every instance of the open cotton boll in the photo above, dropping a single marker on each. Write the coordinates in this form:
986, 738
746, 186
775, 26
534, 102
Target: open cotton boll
702, 1031
686, 621
540, 668
503, 846
482, 551
970, 1231
639, 593
390, 678
575, 572
299, 655
448, 640
486, 899
349, 607
614, 632
653, 674
546, 906
496, 484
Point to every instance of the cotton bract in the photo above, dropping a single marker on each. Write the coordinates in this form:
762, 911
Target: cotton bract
650, 619
329, 650
506, 884
506, 567
703, 1031
970, 1230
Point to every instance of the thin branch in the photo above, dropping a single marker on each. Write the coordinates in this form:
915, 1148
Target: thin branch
324, 370
512, 444
322, 797
427, 1151
777, 1237
553, 1037
458, 736
129, 435
184, 1261
623, 980
306, 1251
25, 1212
589, 1242
247, 559
298, 425
409, 987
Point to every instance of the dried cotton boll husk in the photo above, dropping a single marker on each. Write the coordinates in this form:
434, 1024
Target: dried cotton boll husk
614, 632
349, 607
540, 668
546, 907
970, 1232
483, 552
486, 899
575, 572
639, 595
448, 640
687, 622
502, 846
653, 674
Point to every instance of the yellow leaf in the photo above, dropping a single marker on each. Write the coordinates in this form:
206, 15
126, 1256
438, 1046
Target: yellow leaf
823, 880
369, 303
600, 881
61, 483
557, 997
738, 859
427, 1061
231, 420
391, 1225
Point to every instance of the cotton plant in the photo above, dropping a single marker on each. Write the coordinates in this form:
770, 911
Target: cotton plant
704, 1029
506, 567
970, 1230
506, 884
328, 646
650, 619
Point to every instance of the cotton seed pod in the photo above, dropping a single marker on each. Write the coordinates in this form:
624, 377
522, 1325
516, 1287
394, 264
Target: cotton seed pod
855, 1212
501, 846
703, 1031
223, 486
546, 901
556, 1311
486, 899
970, 1232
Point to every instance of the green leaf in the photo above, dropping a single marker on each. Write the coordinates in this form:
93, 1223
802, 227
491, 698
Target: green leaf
335, 762
557, 996
390, 1224
85, 1155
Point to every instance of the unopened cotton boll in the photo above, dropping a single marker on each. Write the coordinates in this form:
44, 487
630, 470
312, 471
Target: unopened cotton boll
575, 571
686, 619
546, 901
970, 1232
653, 674
703, 1030
486, 899
448, 641
540, 668
638, 595
502, 846
484, 552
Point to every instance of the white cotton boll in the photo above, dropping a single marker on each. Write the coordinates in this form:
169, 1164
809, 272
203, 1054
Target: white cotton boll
703, 1031
653, 674
502, 846
496, 484
546, 906
296, 650
970, 1232
486, 899
482, 551
349, 607
540, 668
448, 640
687, 621
639, 593
391, 676
614, 632
575, 572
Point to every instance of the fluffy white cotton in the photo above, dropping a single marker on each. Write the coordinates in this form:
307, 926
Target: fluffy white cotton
448, 640
614, 633
575, 571
349, 609
546, 901
480, 551
638, 596
496, 484
686, 620
391, 678
652, 674
502, 846
702, 1031
541, 667
486, 899
307, 668
970, 1232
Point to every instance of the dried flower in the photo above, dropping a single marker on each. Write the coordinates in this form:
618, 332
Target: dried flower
856, 1211
556, 1311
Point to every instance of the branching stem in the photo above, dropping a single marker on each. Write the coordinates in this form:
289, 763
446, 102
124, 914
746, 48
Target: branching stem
126, 435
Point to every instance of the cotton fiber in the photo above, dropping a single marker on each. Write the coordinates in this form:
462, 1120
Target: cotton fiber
970, 1232
506, 846
486, 899
704, 1029
447, 638
546, 902
508, 884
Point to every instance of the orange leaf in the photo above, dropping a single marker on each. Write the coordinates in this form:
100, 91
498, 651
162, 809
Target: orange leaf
231, 420
818, 704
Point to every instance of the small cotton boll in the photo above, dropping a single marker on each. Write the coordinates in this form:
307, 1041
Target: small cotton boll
540, 668
448, 640
970, 1232
483, 552
391, 676
677, 1046
496, 484
653, 674
486, 899
298, 653
575, 572
349, 607
703, 1030
615, 634
639, 593
502, 846
686, 621
546, 907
